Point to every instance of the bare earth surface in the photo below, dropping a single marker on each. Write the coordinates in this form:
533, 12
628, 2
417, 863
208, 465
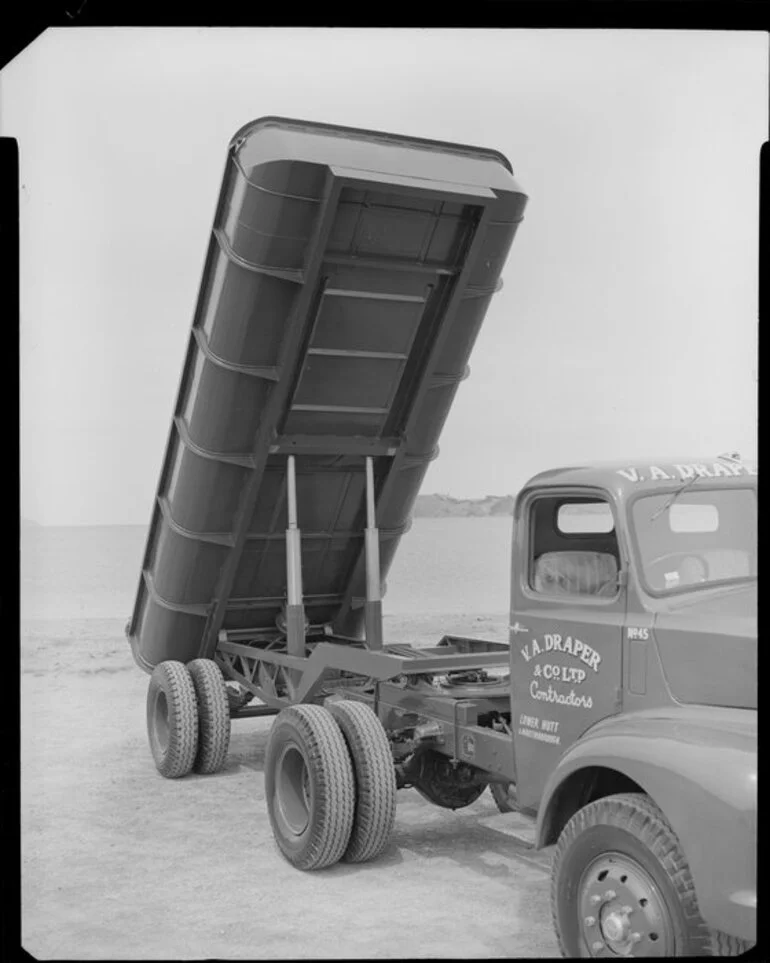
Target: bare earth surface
119, 863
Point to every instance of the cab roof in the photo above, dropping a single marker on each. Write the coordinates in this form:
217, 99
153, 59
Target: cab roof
624, 477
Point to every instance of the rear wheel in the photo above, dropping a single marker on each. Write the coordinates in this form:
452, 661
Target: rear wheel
213, 715
309, 786
375, 779
621, 885
172, 719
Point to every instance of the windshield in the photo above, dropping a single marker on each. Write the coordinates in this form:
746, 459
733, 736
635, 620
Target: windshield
704, 536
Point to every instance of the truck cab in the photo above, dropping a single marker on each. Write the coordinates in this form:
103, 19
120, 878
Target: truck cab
634, 670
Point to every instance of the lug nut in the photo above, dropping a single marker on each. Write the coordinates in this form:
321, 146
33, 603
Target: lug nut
627, 910
596, 899
589, 920
610, 894
598, 945
635, 937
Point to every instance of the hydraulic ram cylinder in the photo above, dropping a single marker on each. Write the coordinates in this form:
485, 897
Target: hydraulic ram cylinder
373, 605
295, 609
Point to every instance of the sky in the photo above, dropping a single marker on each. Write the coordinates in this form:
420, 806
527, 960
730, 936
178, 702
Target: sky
627, 323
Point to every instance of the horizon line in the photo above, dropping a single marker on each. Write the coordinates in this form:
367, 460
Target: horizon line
33, 523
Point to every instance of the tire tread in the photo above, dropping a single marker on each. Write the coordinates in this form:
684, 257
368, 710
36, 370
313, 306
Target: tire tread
725, 945
639, 814
375, 778
176, 683
329, 759
213, 715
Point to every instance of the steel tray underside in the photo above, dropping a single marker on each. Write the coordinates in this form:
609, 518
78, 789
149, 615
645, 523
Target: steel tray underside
346, 279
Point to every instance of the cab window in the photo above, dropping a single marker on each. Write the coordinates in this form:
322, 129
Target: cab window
695, 539
574, 547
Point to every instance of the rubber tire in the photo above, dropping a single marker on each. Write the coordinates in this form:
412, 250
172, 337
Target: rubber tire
375, 779
628, 823
312, 731
172, 681
213, 715
725, 945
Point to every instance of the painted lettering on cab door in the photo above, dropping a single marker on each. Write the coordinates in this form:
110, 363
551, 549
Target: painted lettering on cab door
556, 674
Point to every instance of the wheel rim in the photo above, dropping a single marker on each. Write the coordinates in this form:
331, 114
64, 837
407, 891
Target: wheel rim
622, 910
292, 790
160, 720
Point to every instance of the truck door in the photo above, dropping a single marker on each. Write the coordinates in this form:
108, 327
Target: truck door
567, 613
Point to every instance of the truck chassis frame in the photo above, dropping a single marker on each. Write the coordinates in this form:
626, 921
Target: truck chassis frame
404, 685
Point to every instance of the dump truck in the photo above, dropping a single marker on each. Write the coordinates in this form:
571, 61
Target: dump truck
347, 275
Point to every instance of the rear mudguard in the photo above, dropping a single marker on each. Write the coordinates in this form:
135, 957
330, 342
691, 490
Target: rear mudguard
699, 765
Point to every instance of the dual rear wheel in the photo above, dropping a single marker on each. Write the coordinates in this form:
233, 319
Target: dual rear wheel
329, 776
330, 784
188, 718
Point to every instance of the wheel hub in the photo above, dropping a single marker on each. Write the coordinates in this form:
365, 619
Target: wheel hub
293, 794
622, 912
615, 925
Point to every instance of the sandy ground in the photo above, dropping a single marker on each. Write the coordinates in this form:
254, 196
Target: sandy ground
119, 863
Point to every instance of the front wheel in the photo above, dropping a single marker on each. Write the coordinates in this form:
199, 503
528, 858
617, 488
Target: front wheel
621, 885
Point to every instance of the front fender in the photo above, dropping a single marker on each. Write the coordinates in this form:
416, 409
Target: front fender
700, 767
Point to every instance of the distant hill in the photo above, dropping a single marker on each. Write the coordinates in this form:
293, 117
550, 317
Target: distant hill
29, 523
444, 506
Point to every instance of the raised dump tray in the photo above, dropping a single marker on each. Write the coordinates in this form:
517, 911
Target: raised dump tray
347, 275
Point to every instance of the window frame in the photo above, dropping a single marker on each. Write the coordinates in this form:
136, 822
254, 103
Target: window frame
594, 494
579, 535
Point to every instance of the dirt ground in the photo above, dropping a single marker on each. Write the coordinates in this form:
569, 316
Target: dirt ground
119, 863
